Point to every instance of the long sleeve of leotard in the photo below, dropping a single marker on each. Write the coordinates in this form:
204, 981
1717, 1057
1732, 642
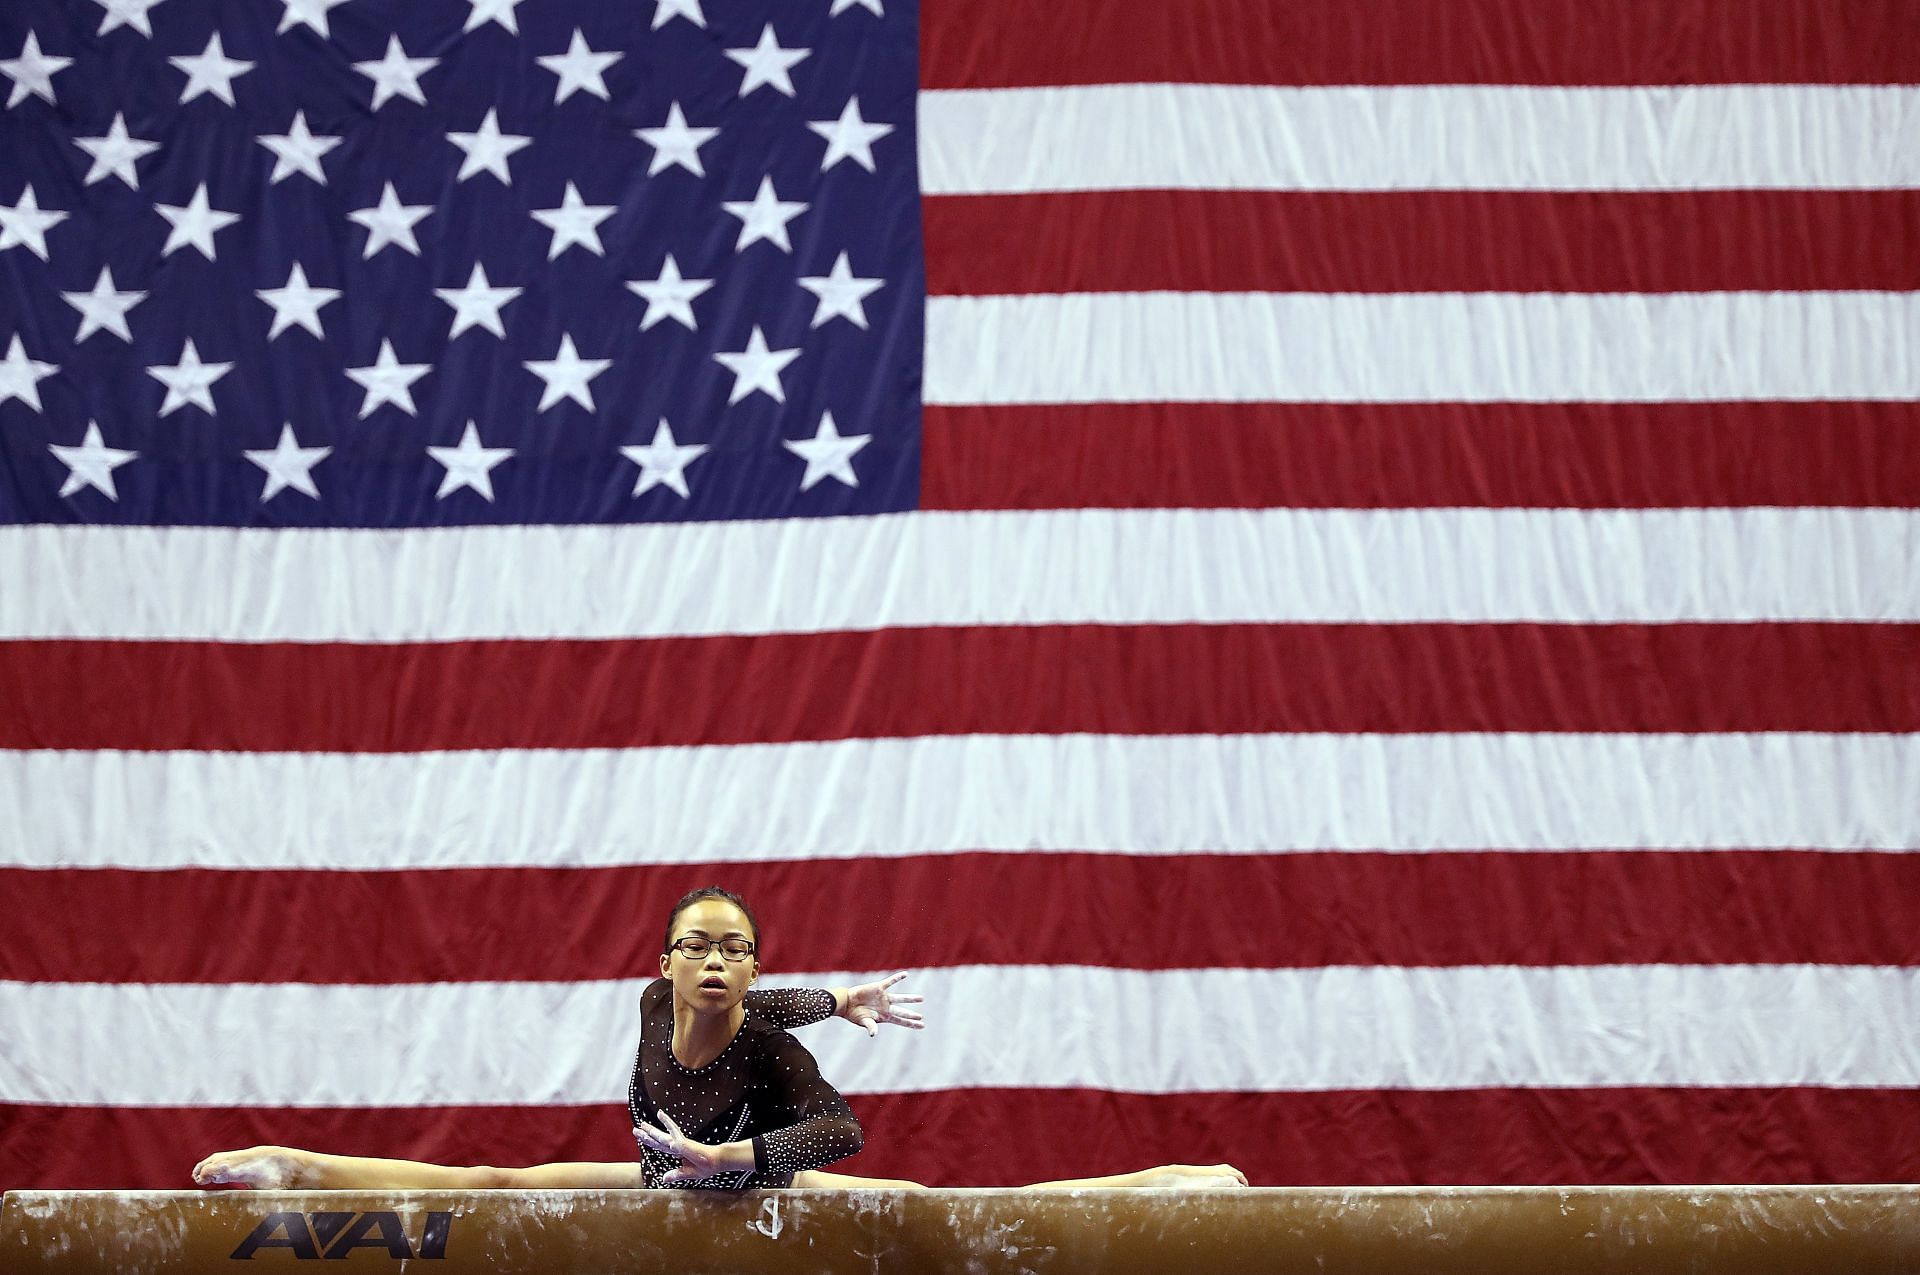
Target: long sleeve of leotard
823, 1127
790, 1007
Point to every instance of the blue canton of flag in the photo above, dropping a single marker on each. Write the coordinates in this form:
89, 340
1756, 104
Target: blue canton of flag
381, 263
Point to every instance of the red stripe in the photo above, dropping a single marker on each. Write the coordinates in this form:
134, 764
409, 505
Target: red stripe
1000, 43
1423, 241
1178, 679
1401, 455
1000, 1137
1499, 1137
1144, 912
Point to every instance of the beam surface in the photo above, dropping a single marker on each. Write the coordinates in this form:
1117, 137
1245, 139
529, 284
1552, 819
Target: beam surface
1469, 1230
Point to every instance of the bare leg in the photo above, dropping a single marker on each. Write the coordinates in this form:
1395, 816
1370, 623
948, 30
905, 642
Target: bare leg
575, 1174
1188, 1176
292, 1168
819, 1179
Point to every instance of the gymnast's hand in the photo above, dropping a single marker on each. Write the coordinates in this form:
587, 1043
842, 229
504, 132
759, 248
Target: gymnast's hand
871, 1004
697, 1159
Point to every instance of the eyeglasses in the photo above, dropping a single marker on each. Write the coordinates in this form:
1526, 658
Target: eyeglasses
695, 948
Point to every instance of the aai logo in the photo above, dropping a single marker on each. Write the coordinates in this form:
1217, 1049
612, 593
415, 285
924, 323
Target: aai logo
336, 1235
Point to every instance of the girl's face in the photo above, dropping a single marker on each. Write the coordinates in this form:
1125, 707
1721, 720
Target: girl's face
711, 983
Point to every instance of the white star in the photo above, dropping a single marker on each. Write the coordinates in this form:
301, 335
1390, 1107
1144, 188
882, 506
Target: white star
665, 11
841, 6
289, 465
32, 72
196, 223
767, 63
488, 150
396, 74
663, 462
500, 11
298, 150
297, 303
579, 68
765, 216
849, 137
388, 381
675, 143
311, 12
115, 154
20, 376
827, 453
189, 382
566, 375
91, 464
574, 222
127, 13
669, 296
103, 309
757, 368
25, 223
469, 464
390, 222
477, 305
211, 72
841, 293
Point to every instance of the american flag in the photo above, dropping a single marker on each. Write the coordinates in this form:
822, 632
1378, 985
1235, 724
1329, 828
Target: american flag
1339, 578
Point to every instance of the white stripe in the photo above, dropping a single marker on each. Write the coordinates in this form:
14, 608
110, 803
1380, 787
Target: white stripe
1421, 137
1018, 1026
1136, 794
1422, 347
1093, 566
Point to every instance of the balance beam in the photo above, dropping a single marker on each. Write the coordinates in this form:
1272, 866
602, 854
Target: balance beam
1858, 1230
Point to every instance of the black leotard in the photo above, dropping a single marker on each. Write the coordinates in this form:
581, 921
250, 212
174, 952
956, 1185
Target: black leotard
764, 1085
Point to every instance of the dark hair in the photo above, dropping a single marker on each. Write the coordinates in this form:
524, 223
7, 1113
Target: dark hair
709, 892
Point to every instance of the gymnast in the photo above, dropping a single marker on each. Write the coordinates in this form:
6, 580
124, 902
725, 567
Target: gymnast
714, 1058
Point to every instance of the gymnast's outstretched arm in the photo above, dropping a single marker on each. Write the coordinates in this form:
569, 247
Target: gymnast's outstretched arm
868, 1005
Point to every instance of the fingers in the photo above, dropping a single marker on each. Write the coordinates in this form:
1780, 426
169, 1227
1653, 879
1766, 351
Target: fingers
907, 998
891, 979
666, 1118
686, 1173
654, 1139
872, 1031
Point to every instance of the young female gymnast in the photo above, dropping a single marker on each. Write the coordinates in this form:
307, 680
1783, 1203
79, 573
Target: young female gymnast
714, 1058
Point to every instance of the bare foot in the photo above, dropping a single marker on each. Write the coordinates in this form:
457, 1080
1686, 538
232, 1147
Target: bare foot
1196, 1177
255, 1169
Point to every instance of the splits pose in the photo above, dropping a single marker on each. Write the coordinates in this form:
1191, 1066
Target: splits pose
722, 1096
